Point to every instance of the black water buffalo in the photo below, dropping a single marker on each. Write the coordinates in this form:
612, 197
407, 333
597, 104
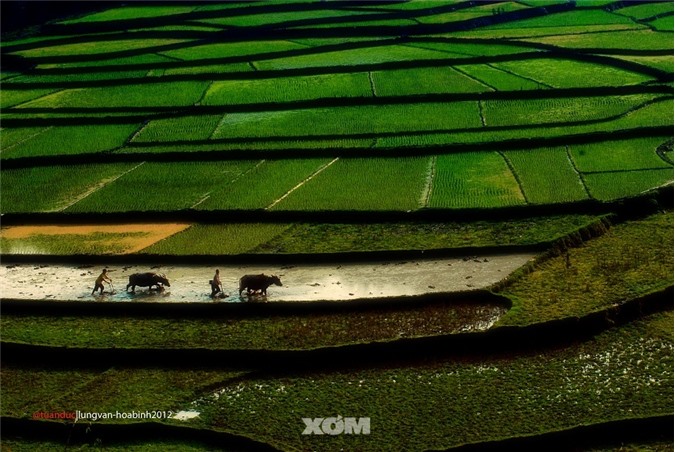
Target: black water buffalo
253, 283
147, 280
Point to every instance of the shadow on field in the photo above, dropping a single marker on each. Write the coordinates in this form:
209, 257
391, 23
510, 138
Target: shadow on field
649, 202
261, 10
155, 113
265, 33
138, 152
495, 342
12, 62
18, 62
246, 9
280, 29
354, 101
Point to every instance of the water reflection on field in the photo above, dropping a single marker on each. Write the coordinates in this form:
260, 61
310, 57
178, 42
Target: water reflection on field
301, 282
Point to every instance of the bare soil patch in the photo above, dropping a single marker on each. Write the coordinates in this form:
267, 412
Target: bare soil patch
143, 236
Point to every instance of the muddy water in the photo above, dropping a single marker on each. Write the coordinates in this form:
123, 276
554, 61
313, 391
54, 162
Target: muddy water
301, 282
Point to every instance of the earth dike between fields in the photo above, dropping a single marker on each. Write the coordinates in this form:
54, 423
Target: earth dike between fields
304, 283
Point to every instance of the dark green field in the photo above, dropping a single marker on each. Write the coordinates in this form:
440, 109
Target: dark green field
304, 132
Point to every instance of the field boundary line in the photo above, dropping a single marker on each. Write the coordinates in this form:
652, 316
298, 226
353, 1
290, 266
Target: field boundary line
661, 152
204, 198
372, 83
206, 90
33, 100
481, 113
95, 188
312, 176
576, 170
169, 57
11, 77
419, 45
244, 173
207, 195
664, 157
292, 41
220, 123
231, 182
634, 170
637, 107
633, 19
431, 176
520, 76
135, 133
515, 175
39, 132
236, 178
475, 79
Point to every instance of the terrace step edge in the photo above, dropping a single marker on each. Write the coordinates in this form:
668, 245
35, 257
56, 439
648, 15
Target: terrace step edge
649, 201
240, 310
493, 342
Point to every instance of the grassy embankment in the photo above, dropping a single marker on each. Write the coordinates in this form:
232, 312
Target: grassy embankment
306, 238
622, 373
622, 264
632, 259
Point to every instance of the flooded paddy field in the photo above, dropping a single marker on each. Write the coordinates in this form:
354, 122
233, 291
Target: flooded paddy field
331, 282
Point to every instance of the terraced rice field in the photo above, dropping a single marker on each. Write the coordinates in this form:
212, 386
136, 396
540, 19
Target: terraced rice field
469, 204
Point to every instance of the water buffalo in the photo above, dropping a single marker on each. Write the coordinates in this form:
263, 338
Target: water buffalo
253, 283
147, 279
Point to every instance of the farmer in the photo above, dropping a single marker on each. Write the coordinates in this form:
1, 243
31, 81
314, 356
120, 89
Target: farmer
216, 284
99, 281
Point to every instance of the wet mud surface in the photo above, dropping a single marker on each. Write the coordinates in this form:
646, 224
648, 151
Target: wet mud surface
336, 282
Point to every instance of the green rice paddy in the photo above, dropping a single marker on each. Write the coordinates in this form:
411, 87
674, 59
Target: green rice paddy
539, 186
621, 155
489, 182
298, 127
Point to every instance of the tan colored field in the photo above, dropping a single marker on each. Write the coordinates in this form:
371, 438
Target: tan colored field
131, 238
